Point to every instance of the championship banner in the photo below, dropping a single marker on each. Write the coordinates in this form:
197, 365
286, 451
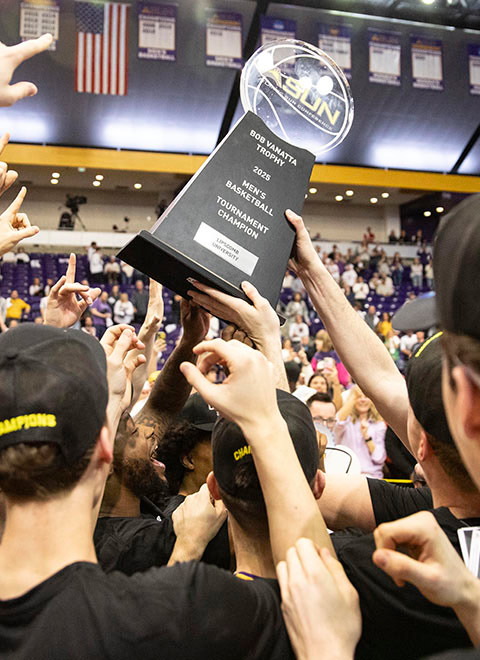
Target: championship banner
474, 68
38, 17
157, 31
277, 29
427, 70
224, 39
336, 41
384, 57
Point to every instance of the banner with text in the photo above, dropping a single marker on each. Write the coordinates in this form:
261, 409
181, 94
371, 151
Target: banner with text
224, 39
38, 17
384, 57
277, 29
474, 68
157, 31
336, 41
427, 69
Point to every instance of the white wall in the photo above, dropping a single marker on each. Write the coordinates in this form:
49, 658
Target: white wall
337, 222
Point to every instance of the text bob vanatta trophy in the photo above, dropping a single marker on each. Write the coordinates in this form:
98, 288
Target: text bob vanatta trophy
228, 223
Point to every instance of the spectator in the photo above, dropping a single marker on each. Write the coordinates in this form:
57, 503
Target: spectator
374, 281
101, 313
323, 410
140, 302
88, 326
407, 342
96, 267
371, 317
392, 237
397, 269
298, 329
385, 325
288, 353
416, 273
349, 275
16, 307
333, 269
392, 342
22, 257
403, 237
382, 267
114, 295
296, 306
349, 295
418, 238
360, 428
111, 271
429, 275
385, 286
123, 311
361, 290
91, 250
127, 273
324, 349
369, 236
363, 255
48, 286
35, 288
424, 255
9, 257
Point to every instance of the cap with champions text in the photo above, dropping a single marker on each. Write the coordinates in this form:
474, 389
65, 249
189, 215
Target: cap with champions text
53, 388
198, 413
456, 266
233, 464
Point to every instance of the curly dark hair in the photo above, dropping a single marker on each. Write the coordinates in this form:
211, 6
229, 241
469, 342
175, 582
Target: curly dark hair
178, 441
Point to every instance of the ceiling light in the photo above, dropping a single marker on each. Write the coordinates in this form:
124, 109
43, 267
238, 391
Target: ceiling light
439, 209
373, 200
99, 177
349, 193
312, 190
338, 198
53, 181
385, 195
306, 195
81, 169
427, 214
428, 2
137, 186
96, 183
55, 175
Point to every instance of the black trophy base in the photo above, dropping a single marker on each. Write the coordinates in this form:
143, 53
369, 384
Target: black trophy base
173, 269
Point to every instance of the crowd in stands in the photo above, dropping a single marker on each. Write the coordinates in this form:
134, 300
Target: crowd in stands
228, 500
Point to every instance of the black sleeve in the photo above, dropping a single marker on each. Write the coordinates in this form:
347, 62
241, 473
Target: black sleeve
213, 614
131, 545
474, 654
391, 502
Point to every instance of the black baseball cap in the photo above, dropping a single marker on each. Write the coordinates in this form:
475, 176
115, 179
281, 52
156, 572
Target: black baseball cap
53, 388
198, 413
232, 457
424, 384
456, 266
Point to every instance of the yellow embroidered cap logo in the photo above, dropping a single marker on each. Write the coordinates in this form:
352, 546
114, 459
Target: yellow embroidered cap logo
33, 420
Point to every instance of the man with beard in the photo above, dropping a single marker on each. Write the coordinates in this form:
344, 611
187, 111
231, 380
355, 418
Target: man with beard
132, 533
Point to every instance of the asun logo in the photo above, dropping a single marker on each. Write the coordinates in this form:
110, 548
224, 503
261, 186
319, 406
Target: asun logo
297, 92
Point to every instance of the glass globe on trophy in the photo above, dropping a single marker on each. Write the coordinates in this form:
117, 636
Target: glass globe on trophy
300, 93
228, 223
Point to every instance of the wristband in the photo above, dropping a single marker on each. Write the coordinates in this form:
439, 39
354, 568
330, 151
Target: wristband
369, 439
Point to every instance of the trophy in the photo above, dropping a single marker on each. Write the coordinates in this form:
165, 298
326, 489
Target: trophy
228, 223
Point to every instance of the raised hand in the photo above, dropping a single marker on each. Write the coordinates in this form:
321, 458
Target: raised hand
247, 396
304, 256
15, 226
63, 307
315, 589
258, 321
10, 58
154, 316
7, 177
195, 322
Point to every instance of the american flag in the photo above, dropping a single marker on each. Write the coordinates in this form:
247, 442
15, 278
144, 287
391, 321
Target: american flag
102, 52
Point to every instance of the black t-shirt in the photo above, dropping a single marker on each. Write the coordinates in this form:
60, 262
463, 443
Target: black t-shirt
187, 612
392, 502
472, 654
399, 623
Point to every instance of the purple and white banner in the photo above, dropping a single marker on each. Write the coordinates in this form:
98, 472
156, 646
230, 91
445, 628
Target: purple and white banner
384, 57
277, 29
336, 41
157, 31
224, 39
474, 68
427, 68
38, 17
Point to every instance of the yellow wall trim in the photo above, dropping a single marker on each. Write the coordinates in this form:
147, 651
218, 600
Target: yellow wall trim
147, 161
